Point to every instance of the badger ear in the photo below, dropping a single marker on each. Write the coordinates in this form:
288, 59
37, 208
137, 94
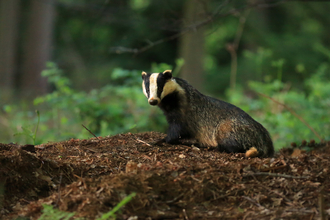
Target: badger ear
167, 74
143, 74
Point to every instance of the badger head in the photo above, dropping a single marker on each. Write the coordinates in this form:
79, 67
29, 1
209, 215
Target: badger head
156, 86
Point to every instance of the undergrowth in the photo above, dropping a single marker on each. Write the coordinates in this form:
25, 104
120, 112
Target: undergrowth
313, 106
116, 108
121, 107
50, 213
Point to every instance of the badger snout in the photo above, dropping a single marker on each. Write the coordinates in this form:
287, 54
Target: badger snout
153, 102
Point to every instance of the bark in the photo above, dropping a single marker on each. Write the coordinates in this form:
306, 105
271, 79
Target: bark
192, 44
9, 16
37, 48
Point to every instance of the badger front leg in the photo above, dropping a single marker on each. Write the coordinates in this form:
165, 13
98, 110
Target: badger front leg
173, 135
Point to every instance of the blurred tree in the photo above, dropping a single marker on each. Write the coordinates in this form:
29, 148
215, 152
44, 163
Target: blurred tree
192, 43
99, 36
37, 47
9, 16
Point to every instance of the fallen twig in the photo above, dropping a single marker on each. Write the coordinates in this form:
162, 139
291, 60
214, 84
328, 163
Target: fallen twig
185, 214
59, 191
66, 194
254, 202
272, 191
274, 168
299, 210
275, 175
175, 199
143, 142
321, 205
90, 131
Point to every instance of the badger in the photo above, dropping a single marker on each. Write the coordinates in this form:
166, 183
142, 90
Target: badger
212, 122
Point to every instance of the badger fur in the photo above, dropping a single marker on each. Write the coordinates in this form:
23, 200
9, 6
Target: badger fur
212, 122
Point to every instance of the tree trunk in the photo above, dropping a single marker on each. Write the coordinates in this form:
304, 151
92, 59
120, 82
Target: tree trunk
9, 14
36, 48
192, 44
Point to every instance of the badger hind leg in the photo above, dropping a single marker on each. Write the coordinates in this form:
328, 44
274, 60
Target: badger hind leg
229, 145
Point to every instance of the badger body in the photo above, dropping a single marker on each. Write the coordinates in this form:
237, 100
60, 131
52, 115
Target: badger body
212, 122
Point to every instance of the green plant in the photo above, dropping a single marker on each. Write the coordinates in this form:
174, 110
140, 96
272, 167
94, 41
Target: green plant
115, 108
50, 213
111, 214
28, 131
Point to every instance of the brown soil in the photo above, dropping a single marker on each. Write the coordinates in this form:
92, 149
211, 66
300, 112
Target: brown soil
89, 177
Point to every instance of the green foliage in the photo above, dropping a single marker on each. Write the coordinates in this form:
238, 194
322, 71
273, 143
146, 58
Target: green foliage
21, 124
28, 132
118, 107
296, 42
115, 108
139, 4
50, 213
312, 106
121, 107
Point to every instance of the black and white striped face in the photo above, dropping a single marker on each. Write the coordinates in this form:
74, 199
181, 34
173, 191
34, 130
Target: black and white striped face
158, 85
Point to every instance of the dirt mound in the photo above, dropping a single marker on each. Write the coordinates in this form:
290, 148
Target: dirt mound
89, 177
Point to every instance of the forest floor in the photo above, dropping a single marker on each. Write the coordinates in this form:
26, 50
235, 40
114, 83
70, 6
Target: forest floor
90, 177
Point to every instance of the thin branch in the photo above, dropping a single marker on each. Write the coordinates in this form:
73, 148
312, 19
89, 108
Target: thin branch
90, 131
232, 49
195, 26
275, 175
292, 112
239, 32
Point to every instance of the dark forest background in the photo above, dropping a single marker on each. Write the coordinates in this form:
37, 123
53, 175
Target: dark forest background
65, 63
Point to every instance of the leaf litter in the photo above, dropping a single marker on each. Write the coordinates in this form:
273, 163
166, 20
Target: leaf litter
90, 177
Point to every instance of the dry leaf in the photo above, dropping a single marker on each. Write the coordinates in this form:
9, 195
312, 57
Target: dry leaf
297, 152
277, 201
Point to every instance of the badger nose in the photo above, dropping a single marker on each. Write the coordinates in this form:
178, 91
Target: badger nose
153, 102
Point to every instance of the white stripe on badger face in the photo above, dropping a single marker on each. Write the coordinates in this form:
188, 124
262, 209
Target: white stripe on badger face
153, 87
171, 86
144, 89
